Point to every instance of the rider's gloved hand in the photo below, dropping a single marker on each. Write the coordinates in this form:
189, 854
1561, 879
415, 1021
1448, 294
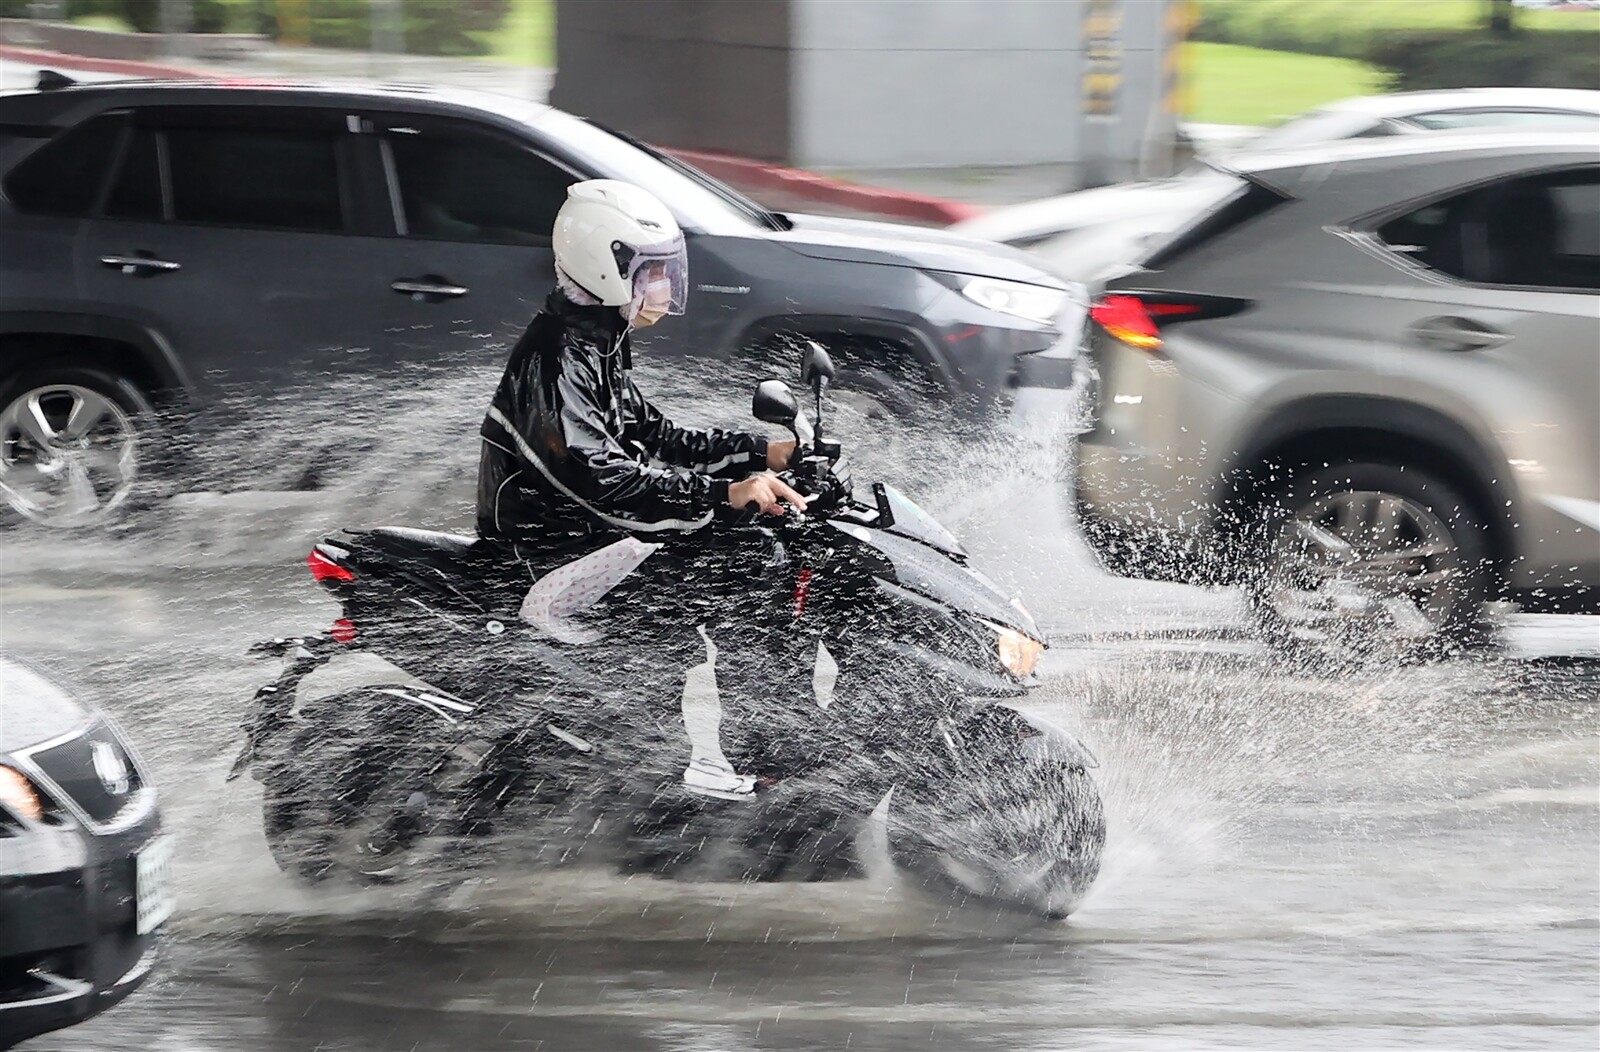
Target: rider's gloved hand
765, 491
779, 454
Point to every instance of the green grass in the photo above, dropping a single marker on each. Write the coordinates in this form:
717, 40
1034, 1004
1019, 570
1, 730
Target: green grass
1345, 27
527, 37
1398, 14
111, 22
1247, 85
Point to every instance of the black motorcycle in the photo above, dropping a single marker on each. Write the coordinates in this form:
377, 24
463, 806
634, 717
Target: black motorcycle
546, 739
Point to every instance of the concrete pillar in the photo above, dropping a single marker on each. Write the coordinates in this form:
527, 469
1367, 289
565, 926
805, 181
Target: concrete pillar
696, 74
862, 85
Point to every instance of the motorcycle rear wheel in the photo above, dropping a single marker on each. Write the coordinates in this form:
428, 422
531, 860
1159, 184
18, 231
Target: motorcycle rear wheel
365, 791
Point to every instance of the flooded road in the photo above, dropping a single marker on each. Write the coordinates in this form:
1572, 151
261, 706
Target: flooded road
1397, 858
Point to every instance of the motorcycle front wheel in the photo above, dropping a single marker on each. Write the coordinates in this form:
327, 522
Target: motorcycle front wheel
998, 819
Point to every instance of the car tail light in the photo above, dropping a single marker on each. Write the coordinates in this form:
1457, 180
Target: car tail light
1137, 318
324, 568
1125, 318
343, 631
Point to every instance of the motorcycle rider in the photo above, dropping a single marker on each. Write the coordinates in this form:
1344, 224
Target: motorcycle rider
594, 492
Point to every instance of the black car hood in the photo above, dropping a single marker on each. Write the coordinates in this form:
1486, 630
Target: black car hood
922, 248
33, 709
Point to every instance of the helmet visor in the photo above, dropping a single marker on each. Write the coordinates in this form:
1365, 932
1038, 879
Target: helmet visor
658, 275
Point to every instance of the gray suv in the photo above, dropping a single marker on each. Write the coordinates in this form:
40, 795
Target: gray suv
1364, 380
162, 244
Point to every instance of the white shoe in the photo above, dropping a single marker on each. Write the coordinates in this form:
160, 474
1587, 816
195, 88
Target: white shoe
707, 778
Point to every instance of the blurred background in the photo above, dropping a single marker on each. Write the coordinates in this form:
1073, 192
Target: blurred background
1048, 96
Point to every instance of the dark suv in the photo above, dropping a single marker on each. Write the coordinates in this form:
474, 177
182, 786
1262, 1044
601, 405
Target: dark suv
162, 243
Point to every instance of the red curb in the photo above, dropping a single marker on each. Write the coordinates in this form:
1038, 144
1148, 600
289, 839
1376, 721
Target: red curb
757, 174
815, 187
55, 60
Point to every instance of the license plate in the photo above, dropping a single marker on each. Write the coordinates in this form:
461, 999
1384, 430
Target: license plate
153, 884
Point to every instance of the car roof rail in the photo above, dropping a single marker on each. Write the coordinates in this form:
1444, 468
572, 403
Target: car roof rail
50, 80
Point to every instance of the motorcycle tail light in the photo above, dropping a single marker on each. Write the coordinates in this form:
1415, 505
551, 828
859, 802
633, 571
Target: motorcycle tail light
325, 569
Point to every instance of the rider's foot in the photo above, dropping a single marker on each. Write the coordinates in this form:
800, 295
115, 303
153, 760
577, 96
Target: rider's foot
709, 778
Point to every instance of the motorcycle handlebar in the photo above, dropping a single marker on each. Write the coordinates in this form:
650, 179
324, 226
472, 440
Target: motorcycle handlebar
822, 494
813, 477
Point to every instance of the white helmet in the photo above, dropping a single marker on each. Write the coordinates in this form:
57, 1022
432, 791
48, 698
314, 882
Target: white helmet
606, 237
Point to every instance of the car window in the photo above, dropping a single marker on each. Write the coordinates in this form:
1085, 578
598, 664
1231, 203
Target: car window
136, 186
1505, 118
64, 176
1380, 130
464, 186
1540, 230
280, 179
700, 202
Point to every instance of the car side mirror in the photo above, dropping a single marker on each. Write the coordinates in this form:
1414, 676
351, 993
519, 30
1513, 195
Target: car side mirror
774, 403
816, 367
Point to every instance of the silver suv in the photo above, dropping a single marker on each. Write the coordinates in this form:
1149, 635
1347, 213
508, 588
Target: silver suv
1363, 381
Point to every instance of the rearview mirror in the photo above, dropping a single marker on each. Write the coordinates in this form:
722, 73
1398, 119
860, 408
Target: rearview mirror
774, 403
815, 364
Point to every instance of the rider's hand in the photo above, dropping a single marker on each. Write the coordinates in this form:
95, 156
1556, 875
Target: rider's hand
765, 491
779, 454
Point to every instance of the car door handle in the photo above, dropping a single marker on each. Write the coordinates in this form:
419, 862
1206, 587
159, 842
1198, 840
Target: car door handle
141, 265
428, 287
1457, 334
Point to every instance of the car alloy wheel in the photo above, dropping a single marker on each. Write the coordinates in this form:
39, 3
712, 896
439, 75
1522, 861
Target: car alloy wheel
1362, 569
68, 455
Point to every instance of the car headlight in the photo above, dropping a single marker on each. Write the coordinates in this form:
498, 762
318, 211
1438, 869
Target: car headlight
18, 795
1018, 299
1017, 652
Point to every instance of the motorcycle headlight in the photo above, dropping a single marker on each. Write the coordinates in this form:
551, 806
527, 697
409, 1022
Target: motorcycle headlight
1018, 653
1016, 298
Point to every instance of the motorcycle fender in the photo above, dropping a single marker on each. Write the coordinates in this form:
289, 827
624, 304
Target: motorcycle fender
1055, 744
270, 706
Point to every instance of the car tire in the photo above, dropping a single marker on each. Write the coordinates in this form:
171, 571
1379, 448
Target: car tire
1366, 561
77, 446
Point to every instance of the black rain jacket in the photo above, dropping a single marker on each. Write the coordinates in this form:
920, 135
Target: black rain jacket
574, 457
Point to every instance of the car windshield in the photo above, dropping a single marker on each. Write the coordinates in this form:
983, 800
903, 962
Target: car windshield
700, 201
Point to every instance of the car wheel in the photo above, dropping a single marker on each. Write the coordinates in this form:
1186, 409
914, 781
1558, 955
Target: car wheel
1368, 561
72, 442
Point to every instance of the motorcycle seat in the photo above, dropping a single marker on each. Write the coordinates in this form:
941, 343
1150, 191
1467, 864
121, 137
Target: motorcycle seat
426, 539
456, 565
445, 550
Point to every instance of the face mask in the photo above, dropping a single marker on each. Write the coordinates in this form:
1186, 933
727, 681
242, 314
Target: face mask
652, 297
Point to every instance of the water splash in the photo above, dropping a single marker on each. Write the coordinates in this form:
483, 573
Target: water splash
1243, 795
